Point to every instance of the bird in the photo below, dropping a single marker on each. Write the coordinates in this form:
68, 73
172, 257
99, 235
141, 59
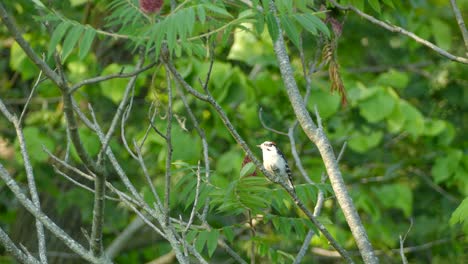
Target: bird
275, 163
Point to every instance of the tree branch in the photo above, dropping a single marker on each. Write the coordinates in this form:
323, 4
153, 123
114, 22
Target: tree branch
12, 249
30, 178
46, 221
321, 141
461, 23
208, 98
397, 29
15, 32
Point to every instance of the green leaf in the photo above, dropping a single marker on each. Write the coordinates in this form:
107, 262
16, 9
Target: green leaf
377, 107
414, 122
272, 26
290, 29
326, 102
393, 78
433, 127
389, 3
248, 169
446, 165
201, 240
39, 4
311, 23
442, 33
259, 23
395, 196
396, 120
201, 14
57, 36
460, 215
70, 40
375, 5
228, 233
218, 10
212, 241
363, 141
86, 41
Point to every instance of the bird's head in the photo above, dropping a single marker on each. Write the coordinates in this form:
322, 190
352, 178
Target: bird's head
267, 146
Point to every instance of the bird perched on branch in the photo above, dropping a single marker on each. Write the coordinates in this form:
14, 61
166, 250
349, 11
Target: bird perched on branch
276, 164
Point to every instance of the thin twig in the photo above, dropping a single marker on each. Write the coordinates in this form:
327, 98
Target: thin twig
130, 87
147, 176
112, 76
402, 242
30, 97
195, 203
167, 190
397, 29
260, 111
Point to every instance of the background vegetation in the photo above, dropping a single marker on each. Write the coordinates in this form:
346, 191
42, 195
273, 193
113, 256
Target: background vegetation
404, 125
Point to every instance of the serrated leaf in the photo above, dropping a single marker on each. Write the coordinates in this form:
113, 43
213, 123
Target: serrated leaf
212, 241
290, 29
57, 36
272, 26
248, 169
70, 41
86, 42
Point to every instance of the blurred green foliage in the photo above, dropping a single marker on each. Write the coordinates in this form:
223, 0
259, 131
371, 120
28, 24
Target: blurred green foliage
405, 123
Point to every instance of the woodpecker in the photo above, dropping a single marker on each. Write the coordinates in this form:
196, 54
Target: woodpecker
275, 163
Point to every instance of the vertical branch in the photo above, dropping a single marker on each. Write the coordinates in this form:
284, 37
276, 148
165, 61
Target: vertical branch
317, 136
461, 23
167, 191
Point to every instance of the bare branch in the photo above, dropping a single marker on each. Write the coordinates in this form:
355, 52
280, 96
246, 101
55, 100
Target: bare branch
112, 76
402, 242
12, 249
397, 29
167, 190
30, 177
46, 221
30, 97
260, 117
461, 23
195, 203
130, 87
201, 134
319, 138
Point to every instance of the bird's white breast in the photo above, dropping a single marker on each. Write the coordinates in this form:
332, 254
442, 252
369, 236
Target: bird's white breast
271, 161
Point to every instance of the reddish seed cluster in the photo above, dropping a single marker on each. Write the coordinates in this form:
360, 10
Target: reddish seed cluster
151, 6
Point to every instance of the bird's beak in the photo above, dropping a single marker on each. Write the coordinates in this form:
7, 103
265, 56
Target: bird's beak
259, 146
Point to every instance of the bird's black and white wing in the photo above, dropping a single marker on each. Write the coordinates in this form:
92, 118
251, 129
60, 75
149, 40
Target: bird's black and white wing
287, 169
